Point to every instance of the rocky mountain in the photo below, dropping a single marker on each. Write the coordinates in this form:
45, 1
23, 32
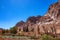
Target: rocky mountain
30, 20
51, 19
19, 24
49, 23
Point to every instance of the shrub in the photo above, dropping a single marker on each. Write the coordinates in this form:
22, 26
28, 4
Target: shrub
47, 37
33, 37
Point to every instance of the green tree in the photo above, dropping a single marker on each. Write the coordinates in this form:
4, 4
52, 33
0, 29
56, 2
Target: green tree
5, 31
47, 37
13, 30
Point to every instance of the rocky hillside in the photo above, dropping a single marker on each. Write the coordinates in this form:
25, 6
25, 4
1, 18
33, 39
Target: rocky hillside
49, 23
53, 14
30, 20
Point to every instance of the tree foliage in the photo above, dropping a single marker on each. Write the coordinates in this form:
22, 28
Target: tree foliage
13, 30
47, 37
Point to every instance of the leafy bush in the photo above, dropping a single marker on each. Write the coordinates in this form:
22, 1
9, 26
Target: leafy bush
47, 37
13, 30
33, 37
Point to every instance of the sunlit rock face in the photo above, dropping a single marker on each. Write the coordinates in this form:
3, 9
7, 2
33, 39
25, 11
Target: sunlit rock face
49, 23
54, 11
51, 18
19, 24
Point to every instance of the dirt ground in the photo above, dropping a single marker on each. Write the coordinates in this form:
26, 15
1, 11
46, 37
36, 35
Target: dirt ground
16, 39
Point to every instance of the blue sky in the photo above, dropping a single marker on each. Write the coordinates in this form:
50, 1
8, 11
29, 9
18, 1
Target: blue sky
13, 11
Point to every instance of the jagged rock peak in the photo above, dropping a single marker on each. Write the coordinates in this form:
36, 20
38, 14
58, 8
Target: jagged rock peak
20, 23
58, 0
33, 19
54, 10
